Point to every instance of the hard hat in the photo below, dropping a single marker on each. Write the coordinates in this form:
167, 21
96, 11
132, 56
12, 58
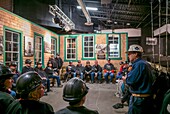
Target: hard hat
28, 61
121, 63
74, 90
57, 54
108, 59
135, 48
13, 63
39, 63
70, 62
5, 72
27, 82
87, 62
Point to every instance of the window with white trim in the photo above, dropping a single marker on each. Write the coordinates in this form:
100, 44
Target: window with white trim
114, 44
88, 46
71, 48
53, 46
12, 47
38, 49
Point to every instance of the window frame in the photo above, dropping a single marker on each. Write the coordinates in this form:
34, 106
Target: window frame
94, 42
119, 43
42, 48
65, 48
56, 45
20, 59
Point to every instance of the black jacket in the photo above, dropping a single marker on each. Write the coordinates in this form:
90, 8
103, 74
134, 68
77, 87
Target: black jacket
5, 100
54, 63
26, 69
79, 69
87, 69
59, 62
30, 107
49, 71
41, 72
97, 68
76, 110
70, 68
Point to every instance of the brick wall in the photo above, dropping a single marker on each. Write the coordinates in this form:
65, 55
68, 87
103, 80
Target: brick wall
100, 39
28, 28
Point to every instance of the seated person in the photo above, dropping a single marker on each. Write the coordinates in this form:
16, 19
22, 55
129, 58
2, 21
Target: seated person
79, 70
88, 70
51, 73
70, 70
96, 72
75, 92
109, 71
27, 66
43, 75
119, 74
13, 67
5, 88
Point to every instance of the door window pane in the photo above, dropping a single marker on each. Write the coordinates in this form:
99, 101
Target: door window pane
114, 44
71, 49
88, 46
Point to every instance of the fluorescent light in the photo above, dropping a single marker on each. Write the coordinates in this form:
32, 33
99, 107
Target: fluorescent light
88, 8
128, 24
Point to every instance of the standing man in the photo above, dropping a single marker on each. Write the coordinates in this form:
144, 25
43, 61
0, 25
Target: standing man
53, 61
109, 71
140, 82
59, 62
75, 92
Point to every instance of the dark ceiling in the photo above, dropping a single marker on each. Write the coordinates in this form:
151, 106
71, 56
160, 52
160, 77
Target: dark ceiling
111, 14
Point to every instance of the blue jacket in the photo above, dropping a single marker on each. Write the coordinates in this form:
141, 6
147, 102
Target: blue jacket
140, 77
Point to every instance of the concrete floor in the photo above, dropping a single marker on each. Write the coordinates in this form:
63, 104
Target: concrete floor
100, 97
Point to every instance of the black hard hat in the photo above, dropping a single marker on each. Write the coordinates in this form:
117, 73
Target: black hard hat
126, 62
49, 62
57, 54
39, 63
87, 62
28, 61
13, 63
108, 59
70, 62
74, 90
27, 82
5, 72
121, 63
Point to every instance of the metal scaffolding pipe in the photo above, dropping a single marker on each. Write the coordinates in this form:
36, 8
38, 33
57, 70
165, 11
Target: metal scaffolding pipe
86, 13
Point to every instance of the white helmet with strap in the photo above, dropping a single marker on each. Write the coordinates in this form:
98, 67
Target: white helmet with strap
135, 48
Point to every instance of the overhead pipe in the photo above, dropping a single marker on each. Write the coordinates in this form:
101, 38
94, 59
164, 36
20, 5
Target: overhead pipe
86, 13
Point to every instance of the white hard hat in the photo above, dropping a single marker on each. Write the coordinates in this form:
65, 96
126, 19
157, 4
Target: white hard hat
135, 48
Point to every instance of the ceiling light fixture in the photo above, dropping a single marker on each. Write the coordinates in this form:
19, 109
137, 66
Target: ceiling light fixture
88, 8
128, 24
